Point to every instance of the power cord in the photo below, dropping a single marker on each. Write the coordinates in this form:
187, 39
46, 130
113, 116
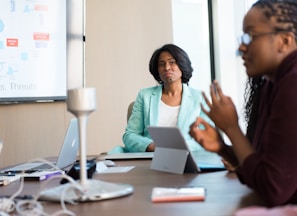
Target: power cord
8, 205
2, 213
29, 208
32, 207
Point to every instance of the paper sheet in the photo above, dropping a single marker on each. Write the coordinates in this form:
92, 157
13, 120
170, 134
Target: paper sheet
102, 168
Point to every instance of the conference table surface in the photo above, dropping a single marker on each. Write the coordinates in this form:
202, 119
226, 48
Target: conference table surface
224, 193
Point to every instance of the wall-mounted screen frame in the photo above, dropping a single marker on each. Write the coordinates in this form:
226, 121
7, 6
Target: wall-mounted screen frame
41, 49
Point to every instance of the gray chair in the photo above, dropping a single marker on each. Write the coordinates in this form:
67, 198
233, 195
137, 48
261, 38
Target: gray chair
121, 149
130, 107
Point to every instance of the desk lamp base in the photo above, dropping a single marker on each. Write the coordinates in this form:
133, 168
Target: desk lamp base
93, 190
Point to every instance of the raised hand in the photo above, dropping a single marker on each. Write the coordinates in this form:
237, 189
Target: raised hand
222, 110
207, 136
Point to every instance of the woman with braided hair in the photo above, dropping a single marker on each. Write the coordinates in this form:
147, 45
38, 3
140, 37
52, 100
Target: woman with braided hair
265, 157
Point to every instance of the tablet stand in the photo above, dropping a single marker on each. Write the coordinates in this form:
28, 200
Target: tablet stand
82, 102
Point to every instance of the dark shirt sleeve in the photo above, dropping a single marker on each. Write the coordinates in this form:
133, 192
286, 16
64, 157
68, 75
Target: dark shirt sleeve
271, 170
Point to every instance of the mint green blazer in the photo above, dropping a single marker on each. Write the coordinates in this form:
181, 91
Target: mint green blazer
145, 113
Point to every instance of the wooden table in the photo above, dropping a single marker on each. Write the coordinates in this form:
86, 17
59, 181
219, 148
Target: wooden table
224, 196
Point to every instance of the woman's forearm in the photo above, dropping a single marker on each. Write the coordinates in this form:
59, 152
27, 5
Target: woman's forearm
241, 146
227, 154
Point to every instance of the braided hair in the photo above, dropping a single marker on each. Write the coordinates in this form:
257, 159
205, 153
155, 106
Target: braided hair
252, 97
284, 13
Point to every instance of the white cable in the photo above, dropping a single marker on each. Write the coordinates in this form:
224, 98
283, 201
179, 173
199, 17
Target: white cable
29, 208
7, 204
34, 207
73, 185
46, 162
20, 188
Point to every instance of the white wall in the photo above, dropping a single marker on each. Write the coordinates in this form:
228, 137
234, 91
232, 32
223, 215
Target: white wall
191, 32
229, 68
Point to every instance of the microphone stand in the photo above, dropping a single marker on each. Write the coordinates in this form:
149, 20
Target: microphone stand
82, 102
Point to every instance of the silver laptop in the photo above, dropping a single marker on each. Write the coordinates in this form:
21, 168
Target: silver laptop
173, 155
67, 155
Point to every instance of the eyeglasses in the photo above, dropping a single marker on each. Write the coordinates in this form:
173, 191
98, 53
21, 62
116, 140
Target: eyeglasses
247, 38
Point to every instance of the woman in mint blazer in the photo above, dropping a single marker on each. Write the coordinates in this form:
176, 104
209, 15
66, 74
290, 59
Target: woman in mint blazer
171, 103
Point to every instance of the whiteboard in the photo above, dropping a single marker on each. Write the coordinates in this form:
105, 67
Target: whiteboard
33, 50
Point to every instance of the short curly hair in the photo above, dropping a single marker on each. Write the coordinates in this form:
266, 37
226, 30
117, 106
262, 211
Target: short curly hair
182, 60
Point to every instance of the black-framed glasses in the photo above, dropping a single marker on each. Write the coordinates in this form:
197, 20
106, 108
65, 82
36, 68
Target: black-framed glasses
247, 38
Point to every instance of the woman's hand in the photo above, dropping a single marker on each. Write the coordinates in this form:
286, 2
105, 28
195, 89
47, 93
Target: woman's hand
230, 167
207, 136
222, 110
223, 113
151, 147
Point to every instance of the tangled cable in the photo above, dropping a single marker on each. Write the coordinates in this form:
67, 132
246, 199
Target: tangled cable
34, 207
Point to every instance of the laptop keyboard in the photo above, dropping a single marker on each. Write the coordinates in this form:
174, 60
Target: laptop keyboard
43, 167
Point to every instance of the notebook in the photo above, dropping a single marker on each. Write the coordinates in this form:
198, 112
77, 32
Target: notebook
173, 155
67, 155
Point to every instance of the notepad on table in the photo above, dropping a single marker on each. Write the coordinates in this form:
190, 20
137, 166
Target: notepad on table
164, 194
